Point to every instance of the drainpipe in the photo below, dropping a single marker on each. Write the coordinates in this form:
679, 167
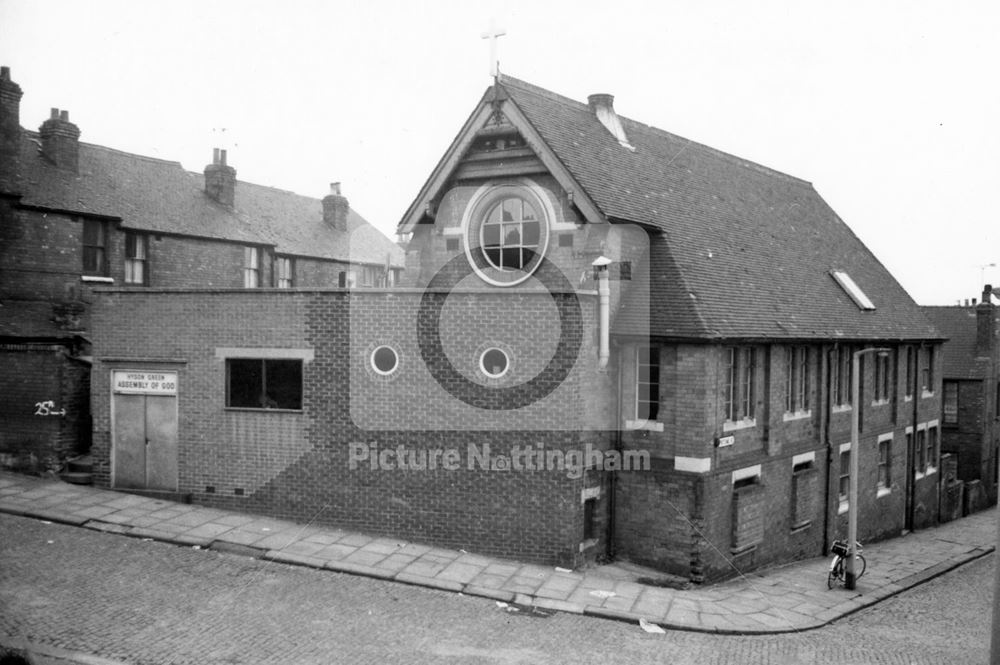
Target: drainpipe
831, 357
601, 264
613, 477
911, 462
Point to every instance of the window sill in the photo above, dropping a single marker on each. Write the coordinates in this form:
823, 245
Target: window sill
743, 423
802, 526
883, 491
881, 402
926, 394
908, 398
648, 425
97, 279
250, 409
931, 470
841, 408
587, 544
843, 507
796, 415
742, 549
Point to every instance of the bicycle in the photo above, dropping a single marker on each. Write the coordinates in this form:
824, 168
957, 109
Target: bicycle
838, 565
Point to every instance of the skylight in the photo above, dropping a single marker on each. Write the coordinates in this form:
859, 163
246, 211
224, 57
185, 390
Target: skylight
853, 290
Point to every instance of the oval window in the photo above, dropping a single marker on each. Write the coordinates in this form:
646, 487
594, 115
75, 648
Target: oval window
510, 234
506, 233
384, 360
494, 363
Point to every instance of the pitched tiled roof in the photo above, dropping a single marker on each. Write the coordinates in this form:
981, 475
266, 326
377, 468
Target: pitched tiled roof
741, 251
958, 324
160, 196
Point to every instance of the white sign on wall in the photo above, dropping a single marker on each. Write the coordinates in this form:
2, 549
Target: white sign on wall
138, 382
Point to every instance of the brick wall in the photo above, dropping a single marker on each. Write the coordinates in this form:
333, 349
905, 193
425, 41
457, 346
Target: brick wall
296, 465
657, 520
41, 256
183, 262
967, 440
35, 374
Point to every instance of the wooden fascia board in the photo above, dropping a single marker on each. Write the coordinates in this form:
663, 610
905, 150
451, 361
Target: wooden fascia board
449, 163
562, 175
445, 167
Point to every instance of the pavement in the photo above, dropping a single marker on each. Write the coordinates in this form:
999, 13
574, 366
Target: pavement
792, 597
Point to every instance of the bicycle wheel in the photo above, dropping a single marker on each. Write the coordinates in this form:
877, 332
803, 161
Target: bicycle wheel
860, 566
836, 574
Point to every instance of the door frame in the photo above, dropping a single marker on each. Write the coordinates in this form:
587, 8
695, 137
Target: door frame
113, 429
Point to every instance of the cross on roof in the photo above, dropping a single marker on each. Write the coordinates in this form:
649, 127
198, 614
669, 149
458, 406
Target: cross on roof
492, 34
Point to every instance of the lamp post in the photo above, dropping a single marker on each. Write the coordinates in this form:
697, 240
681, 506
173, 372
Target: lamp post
850, 579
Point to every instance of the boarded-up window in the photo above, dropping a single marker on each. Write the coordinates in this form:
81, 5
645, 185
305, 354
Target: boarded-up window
804, 488
748, 514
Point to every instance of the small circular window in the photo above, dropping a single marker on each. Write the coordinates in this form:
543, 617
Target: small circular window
494, 363
384, 360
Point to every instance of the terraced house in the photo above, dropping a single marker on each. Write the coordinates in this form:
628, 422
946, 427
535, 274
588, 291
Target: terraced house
970, 409
76, 216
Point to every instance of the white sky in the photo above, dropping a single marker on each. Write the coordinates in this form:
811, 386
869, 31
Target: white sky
891, 108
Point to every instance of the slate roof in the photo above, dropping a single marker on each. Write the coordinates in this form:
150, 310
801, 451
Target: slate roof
159, 196
959, 359
739, 250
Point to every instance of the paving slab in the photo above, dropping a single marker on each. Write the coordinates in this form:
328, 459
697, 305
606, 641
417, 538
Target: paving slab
460, 572
395, 562
364, 557
790, 597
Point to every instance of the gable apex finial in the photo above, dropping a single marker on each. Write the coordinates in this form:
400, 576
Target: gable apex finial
493, 33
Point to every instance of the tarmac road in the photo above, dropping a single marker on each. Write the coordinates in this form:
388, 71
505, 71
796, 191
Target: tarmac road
94, 597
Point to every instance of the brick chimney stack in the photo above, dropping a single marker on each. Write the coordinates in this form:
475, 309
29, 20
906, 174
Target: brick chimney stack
220, 179
335, 208
985, 334
61, 141
10, 131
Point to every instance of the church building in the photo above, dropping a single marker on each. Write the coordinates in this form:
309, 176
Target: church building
608, 341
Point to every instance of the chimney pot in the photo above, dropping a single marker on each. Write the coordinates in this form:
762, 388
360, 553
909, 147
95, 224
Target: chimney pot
4, 73
987, 292
222, 157
54, 114
601, 100
335, 189
64, 116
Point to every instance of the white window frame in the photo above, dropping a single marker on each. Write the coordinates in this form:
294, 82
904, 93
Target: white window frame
884, 489
651, 424
844, 503
251, 267
139, 262
284, 268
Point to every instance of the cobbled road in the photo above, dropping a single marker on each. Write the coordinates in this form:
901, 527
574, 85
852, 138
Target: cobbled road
145, 602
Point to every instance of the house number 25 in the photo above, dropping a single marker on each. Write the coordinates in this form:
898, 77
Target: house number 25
48, 409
